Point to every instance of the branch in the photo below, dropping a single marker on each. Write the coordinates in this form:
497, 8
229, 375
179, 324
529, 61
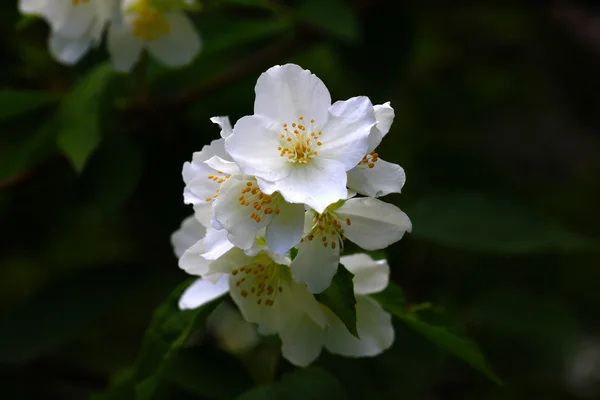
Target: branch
257, 62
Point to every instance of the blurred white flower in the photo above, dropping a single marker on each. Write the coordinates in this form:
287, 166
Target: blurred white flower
76, 25
297, 142
160, 27
373, 176
370, 223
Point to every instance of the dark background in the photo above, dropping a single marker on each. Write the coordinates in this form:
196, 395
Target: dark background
497, 127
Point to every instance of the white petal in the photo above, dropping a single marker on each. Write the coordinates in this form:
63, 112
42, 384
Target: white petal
202, 214
315, 265
374, 327
302, 341
69, 50
78, 21
190, 232
283, 93
375, 138
219, 164
192, 261
253, 146
346, 135
318, 184
370, 276
384, 178
237, 218
199, 188
180, 46
225, 125
202, 292
124, 48
215, 148
385, 116
216, 244
286, 228
374, 224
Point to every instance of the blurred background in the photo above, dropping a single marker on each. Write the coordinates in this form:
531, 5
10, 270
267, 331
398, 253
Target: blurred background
497, 127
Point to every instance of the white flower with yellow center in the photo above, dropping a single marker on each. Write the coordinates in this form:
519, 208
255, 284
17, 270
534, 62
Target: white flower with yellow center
373, 176
76, 25
203, 180
370, 223
261, 286
297, 142
243, 210
158, 26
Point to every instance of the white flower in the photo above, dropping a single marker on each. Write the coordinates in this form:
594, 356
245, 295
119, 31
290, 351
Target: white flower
203, 181
243, 210
297, 142
76, 25
373, 176
370, 223
165, 31
374, 325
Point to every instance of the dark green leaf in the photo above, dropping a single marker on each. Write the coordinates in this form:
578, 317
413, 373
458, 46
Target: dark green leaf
302, 384
208, 373
440, 332
339, 297
79, 117
15, 103
167, 334
333, 17
478, 222
61, 311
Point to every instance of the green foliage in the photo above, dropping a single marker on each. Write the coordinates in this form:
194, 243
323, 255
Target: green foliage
333, 17
166, 336
79, 118
310, 383
61, 311
15, 103
340, 299
439, 330
478, 222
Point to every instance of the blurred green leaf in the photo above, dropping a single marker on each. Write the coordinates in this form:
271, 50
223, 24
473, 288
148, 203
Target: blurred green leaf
264, 4
79, 116
27, 152
441, 332
208, 373
340, 299
312, 383
480, 222
333, 17
62, 311
14, 103
167, 334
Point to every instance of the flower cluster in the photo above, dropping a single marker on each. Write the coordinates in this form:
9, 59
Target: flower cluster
301, 176
160, 26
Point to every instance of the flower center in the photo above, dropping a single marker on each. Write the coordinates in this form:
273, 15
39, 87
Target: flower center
261, 203
261, 281
298, 143
370, 159
149, 22
327, 228
219, 178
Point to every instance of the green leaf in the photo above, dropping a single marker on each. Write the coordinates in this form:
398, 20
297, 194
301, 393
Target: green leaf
309, 383
15, 103
166, 336
208, 373
479, 222
442, 333
62, 311
333, 17
79, 116
339, 297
